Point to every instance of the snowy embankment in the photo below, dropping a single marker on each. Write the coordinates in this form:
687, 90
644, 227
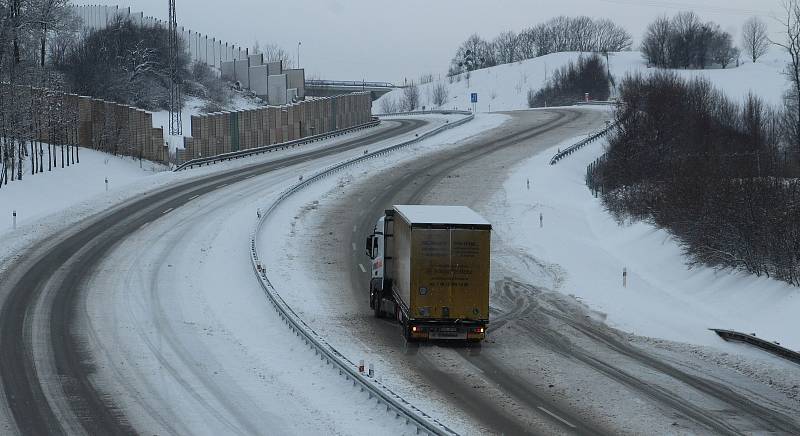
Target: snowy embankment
663, 297
38, 195
505, 87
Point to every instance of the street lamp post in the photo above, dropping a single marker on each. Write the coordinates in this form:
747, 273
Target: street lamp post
298, 54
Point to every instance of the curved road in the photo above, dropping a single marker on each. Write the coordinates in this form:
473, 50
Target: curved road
45, 372
536, 334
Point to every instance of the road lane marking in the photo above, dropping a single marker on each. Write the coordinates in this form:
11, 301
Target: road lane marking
144, 225
167, 211
222, 186
565, 422
387, 187
250, 177
354, 246
355, 228
373, 199
193, 197
362, 268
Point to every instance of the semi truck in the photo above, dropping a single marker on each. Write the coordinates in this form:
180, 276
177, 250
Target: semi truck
430, 271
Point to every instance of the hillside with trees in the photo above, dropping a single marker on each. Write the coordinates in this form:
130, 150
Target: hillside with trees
723, 177
571, 82
560, 34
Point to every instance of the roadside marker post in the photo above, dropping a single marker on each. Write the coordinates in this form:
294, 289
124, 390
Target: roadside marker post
14, 220
541, 220
106, 184
624, 277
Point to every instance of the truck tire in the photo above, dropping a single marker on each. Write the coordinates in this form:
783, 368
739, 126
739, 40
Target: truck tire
406, 331
376, 306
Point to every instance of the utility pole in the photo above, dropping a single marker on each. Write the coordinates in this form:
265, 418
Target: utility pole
175, 97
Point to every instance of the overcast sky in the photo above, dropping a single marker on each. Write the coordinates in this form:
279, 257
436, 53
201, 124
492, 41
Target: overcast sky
384, 40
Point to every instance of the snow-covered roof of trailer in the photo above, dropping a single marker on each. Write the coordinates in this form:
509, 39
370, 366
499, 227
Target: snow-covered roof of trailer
424, 214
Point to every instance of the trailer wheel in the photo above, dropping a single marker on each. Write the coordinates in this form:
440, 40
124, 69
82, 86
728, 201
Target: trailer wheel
376, 305
406, 331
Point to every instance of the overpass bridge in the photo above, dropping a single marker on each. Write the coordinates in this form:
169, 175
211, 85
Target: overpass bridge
329, 88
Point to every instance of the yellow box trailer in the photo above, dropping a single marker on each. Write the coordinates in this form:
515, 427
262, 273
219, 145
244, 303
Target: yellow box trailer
430, 270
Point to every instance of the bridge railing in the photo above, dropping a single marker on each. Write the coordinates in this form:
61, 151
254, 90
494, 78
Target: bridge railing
343, 83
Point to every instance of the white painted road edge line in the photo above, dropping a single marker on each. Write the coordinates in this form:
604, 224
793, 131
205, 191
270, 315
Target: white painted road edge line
565, 422
363, 270
167, 211
193, 197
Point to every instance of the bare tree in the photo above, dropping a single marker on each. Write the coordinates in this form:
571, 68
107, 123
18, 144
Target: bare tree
655, 46
506, 46
274, 53
410, 99
526, 44
755, 39
440, 94
388, 105
50, 17
722, 50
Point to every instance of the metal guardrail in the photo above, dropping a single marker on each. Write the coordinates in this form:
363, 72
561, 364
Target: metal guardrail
275, 147
597, 103
438, 112
583, 143
349, 83
772, 347
381, 393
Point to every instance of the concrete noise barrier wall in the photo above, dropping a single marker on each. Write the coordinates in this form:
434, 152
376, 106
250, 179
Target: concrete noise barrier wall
201, 47
90, 122
225, 132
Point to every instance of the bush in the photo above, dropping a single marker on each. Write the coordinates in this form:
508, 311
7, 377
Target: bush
570, 84
124, 63
685, 42
719, 176
205, 84
410, 98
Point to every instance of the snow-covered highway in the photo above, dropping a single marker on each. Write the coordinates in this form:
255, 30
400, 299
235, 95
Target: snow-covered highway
120, 326
550, 365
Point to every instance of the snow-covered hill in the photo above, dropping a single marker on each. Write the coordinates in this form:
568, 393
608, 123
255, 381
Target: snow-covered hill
505, 87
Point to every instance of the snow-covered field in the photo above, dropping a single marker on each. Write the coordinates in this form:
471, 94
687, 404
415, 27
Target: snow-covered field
663, 298
38, 195
505, 87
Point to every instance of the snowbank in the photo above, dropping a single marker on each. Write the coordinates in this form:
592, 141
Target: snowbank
42, 194
663, 297
505, 87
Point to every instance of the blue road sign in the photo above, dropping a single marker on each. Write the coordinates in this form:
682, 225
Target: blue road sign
474, 97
